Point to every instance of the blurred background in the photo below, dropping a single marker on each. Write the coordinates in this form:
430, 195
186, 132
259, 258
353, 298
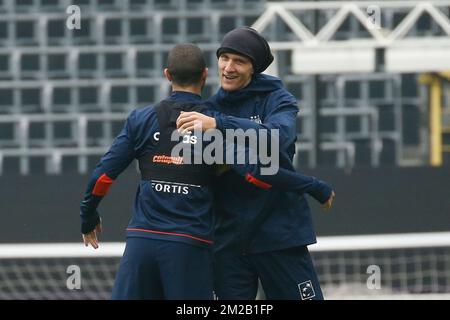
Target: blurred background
372, 79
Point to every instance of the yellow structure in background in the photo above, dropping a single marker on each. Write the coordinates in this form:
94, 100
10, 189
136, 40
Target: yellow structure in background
435, 81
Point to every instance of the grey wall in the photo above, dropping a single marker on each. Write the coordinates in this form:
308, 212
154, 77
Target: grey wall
42, 208
387, 200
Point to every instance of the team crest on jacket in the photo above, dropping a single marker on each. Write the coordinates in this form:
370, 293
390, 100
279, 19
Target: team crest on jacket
256, 119
306, 290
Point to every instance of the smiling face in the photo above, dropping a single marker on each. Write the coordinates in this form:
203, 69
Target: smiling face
235, 71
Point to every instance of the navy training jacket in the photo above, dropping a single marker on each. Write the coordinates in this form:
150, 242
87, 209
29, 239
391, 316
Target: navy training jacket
164, 210
252, 220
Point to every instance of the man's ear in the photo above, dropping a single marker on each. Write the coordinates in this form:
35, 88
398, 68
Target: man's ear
203, 78
167, 74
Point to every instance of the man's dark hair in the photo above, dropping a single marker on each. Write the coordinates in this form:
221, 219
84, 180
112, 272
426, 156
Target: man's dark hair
186, 64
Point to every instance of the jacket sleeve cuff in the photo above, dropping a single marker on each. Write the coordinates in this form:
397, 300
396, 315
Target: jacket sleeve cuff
219, 122
321, 192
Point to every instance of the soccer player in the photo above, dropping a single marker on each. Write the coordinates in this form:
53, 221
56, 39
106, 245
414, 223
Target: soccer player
260, 234
167, 253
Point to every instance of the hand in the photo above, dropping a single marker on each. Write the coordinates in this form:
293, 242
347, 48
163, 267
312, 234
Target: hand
327, 205
189, 121
91, 237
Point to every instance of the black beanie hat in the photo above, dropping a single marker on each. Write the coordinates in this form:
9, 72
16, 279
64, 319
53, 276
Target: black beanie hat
250, 43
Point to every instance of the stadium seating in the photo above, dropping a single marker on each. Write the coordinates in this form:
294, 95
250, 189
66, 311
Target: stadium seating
64, 93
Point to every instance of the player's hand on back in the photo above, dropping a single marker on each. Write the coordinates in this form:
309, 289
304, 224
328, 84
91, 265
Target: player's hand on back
190, 121
91, 237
